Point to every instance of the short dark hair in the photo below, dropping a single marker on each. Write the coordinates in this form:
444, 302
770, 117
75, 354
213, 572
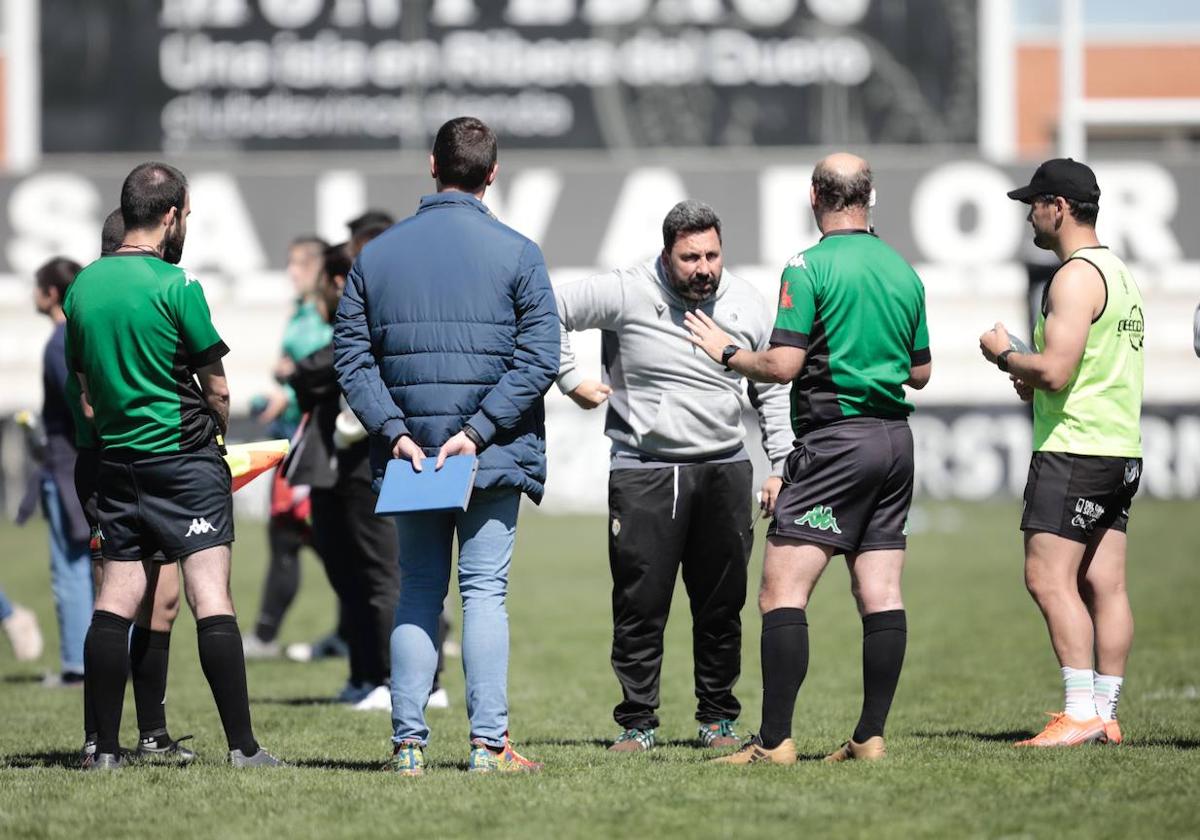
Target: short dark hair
837, 191
1084, 212
689, 217
317, 244
113, 232
464, 152
370, 219
149, 191
337, 260
57, 274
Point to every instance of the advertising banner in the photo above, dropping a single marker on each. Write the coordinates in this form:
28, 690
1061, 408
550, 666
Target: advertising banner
195, 75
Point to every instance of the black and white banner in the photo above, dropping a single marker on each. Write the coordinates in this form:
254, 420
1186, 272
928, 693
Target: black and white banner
195, 75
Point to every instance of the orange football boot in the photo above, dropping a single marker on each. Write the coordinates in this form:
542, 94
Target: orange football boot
1065, 731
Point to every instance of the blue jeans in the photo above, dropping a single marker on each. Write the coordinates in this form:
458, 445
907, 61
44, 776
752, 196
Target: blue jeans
70, 580
6, 607
486, 532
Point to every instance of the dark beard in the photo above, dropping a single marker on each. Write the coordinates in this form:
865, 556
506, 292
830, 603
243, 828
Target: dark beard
1043, 241
700, 287
172, 247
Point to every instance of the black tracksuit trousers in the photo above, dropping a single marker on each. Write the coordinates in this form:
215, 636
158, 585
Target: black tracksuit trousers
359, 550
698, 516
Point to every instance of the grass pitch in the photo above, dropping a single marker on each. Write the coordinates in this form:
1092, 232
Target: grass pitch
978, 676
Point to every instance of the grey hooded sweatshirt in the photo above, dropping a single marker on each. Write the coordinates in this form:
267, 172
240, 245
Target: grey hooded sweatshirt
669, 400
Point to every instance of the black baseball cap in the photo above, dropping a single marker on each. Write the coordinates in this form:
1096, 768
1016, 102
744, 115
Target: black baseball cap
1061, 176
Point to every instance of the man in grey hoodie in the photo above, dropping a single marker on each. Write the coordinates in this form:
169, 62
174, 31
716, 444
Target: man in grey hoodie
680, 481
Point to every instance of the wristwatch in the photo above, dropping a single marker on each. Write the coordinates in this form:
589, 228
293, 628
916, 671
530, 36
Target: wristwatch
1002, 360
727, 354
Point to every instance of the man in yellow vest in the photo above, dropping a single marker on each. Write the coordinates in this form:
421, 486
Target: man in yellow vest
1084, 377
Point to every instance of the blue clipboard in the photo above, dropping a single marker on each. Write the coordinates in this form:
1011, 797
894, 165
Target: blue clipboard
404, 490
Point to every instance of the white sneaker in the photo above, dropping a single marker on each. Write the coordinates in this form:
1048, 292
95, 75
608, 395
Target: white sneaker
22, 630
378, 699
451, 649
255, 648
299, 652
438, 700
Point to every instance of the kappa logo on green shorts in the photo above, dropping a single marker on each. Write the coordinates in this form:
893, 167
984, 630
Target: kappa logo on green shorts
821, 517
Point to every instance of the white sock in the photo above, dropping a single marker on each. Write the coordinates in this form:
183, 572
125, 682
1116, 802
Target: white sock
1080, 693
1108, 692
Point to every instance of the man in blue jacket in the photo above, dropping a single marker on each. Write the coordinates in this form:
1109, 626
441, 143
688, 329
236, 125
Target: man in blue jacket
445, 340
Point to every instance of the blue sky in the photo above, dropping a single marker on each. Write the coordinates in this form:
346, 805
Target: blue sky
1036, 13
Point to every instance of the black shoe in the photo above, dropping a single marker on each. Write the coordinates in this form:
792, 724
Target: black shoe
262, 758
103, 761
161, 747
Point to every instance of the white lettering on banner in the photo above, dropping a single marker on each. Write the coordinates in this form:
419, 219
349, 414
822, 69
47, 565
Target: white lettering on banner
526, 202
290, 14
938, 203
186, 62
539, 12
635, 230
973, 456
785, 219
192, 14
1138, 200
676, 12
505, 58
765, 12
341, 196
381, 14
839, 12
738, 58
221, 232
453, 12
53, 213
613, 12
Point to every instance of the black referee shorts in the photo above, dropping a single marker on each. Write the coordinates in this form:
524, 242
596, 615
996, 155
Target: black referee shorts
848, 485
177, 504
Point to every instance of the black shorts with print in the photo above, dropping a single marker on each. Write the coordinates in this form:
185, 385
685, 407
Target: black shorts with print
1075, 496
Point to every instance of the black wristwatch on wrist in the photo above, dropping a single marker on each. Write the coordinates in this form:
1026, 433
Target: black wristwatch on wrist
1002, 360
727, 355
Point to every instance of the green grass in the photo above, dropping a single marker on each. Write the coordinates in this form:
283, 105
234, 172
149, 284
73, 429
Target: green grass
979, 673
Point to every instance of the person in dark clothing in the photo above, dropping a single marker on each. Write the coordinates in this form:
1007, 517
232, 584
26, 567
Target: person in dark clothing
54, 485
357, 547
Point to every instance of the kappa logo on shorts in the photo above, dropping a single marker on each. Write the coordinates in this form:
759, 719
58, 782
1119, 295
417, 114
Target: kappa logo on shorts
821, 517
199, 526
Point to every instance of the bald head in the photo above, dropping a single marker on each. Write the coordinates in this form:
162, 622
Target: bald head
841, 183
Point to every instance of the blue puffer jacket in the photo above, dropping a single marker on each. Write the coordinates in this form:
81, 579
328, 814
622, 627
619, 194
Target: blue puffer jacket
448, 318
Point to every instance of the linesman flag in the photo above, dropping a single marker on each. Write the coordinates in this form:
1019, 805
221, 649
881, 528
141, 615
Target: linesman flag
247, 461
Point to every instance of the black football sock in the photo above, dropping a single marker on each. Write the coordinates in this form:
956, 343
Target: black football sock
89, 717
885, 635
224, 667
784, 651
105, 668
148, 654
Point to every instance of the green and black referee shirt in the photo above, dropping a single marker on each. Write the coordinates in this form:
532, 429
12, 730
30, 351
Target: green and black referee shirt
858, 309
137, 328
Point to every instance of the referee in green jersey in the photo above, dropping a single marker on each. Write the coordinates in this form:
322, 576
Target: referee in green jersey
139, 335
850, 333
1084, 377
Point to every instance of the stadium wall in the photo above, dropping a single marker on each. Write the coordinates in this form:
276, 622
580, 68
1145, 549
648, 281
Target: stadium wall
945, 211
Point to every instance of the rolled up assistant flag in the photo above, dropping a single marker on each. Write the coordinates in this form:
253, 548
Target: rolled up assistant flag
247, 461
